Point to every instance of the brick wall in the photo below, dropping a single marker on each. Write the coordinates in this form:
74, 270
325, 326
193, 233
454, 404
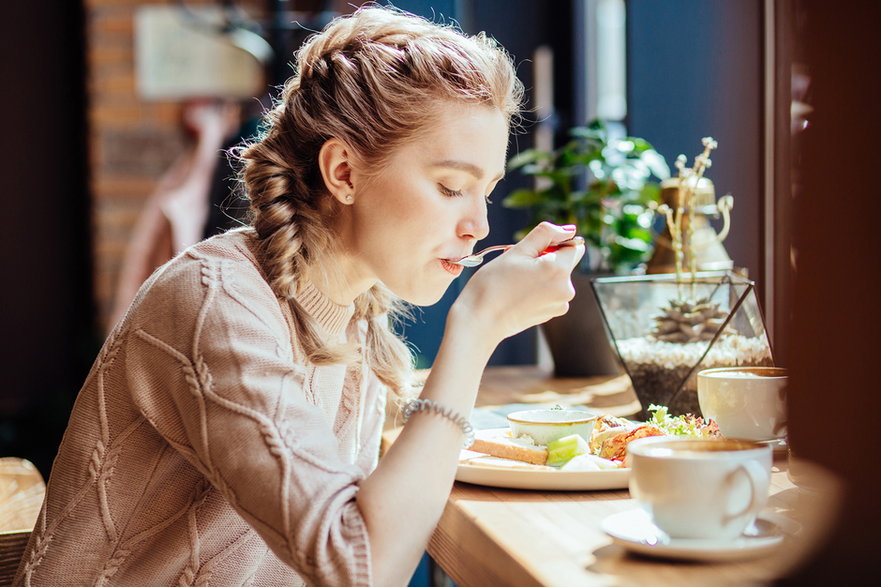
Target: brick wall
131, 142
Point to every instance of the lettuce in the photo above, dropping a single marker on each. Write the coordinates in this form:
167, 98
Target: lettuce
685, 425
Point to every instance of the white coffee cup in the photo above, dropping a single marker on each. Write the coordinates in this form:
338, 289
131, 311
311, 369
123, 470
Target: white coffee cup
700, 488
746, 402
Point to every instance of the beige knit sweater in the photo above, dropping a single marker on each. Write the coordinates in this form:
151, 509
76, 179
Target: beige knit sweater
204, 449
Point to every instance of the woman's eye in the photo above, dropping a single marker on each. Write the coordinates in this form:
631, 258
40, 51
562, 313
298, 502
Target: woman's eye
457, 193
448, 192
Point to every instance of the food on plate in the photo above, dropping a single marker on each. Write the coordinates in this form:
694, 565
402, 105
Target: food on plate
606, 448
505, 449
589, 462
563, 450
611, 435
614, 447
484, 460
498, 442
607, 426
685, 425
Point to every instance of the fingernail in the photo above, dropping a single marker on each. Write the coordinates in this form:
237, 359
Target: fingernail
567, 226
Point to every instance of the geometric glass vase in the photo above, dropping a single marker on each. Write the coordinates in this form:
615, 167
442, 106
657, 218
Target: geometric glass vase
665, 330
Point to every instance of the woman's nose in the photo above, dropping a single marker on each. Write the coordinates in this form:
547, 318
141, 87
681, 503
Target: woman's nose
475, 224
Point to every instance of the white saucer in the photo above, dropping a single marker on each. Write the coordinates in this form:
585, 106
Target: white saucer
635, 531
778, 445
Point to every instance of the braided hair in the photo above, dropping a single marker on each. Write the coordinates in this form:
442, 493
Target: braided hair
368, 79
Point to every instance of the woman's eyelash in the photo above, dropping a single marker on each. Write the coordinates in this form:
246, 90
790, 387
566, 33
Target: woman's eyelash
456, 193
448, 192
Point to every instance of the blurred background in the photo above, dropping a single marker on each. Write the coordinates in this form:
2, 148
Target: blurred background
115, 113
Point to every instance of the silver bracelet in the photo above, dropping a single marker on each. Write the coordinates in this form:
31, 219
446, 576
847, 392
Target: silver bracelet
427, 405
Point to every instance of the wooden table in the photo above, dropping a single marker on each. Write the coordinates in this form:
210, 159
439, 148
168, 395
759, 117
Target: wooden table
492, 536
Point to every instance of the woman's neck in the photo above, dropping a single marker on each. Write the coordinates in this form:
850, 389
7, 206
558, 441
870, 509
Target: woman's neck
339, 277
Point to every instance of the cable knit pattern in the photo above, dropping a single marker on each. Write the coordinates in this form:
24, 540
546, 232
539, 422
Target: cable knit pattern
203, 451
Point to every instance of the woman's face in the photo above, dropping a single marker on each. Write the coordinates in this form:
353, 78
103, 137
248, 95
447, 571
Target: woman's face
427, 205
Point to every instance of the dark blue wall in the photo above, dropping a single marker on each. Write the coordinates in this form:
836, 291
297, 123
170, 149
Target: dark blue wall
695, 68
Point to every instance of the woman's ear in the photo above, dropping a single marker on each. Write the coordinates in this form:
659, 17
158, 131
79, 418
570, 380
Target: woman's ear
333, 161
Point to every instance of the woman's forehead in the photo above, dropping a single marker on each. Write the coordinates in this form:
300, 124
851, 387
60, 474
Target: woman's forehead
469, 138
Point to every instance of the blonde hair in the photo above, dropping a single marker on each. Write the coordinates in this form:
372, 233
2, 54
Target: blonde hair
368, 79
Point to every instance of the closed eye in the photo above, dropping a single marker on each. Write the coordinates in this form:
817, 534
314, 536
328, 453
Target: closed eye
457, 193
448, 192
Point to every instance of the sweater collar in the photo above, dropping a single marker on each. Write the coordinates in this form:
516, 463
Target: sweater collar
333, 317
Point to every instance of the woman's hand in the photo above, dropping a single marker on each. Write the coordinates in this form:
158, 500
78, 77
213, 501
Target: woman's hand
522, 287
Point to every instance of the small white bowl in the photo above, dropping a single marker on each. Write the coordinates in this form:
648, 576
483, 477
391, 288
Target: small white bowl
548, 425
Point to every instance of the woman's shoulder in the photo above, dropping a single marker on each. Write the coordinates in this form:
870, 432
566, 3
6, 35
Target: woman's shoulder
237, 245
223, 269
205, 260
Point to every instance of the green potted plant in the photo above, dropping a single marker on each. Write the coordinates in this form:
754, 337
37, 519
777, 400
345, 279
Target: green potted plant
605, 186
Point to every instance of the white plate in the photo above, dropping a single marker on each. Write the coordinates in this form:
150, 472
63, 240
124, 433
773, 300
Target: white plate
515, 477
634, 531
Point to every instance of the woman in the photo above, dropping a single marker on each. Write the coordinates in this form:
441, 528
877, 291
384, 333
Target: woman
228, 432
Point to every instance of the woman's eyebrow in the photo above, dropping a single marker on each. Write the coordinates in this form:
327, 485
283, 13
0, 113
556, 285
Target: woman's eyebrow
470, 168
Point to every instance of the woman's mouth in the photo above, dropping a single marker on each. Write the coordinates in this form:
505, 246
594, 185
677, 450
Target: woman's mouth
451, 268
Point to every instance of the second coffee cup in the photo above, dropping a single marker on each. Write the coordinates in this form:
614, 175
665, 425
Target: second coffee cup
745, 402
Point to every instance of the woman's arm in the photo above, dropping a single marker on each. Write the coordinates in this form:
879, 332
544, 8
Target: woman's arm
210, 364
413, 480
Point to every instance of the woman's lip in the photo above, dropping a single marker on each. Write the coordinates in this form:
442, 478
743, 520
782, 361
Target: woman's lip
451, 268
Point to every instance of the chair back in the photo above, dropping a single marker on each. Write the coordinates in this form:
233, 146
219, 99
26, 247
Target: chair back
22, 490
12, 545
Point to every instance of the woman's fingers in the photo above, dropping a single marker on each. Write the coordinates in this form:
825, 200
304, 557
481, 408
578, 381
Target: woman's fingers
569, 256
526, 286
546, 235
543, 236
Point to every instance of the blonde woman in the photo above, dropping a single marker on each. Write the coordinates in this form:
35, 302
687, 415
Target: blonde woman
228, 432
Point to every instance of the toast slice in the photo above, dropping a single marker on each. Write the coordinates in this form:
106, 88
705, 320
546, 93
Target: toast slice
498, 442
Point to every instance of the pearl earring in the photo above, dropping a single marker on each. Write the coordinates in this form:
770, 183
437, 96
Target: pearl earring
349, 199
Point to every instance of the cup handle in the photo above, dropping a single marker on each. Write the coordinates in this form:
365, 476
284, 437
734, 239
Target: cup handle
756, 475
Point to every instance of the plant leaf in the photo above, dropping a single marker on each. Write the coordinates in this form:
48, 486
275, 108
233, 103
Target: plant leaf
650, 192
523, 198
639, 145
656, 163
528, 156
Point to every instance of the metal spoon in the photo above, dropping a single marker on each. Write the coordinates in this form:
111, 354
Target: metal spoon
476, 259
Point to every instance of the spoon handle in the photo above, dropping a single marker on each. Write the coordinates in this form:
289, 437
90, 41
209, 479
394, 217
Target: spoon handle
476, 259
575, 240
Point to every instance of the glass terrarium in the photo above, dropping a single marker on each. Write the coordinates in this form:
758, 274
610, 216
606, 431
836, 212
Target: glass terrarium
667, 328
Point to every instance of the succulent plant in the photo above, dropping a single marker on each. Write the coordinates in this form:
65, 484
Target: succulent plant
684, 321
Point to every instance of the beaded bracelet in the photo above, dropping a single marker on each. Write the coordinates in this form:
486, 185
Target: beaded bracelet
427, 405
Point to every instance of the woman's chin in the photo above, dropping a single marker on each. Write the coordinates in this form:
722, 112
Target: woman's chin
424, 297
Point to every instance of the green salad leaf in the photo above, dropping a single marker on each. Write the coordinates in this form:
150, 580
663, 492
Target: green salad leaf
685, 425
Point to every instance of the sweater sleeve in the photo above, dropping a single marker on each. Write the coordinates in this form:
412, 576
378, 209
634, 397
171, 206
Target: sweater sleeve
211, 365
